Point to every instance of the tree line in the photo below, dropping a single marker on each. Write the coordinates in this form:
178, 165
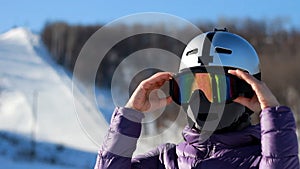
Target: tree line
276, 45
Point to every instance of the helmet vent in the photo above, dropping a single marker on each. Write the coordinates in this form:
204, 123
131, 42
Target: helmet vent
194, 51
222, 50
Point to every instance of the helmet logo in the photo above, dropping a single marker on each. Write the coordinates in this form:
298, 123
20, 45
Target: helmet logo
206, 58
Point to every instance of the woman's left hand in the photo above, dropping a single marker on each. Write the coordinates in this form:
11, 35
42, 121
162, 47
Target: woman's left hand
263, 97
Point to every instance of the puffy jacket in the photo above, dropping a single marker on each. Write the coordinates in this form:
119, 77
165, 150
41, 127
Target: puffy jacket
272, 144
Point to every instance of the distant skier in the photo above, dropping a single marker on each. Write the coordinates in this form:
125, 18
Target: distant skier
218, 68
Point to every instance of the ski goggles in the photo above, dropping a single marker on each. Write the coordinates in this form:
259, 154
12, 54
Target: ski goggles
217, 87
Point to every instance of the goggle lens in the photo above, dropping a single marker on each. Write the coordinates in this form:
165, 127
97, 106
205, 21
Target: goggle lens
217, 88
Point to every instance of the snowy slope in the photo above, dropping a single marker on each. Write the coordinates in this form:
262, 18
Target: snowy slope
20, 152
36, 97
36, 101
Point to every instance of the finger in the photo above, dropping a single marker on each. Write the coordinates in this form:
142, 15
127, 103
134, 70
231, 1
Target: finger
160, 76
244, 75
157, 80
157, 102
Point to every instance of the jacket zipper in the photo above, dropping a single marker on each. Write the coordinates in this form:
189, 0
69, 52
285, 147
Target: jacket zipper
212, 152
211, 148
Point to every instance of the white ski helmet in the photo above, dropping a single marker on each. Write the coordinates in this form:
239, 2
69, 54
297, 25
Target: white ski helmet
220, 48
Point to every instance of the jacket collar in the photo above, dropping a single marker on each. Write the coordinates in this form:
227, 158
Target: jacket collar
249, 135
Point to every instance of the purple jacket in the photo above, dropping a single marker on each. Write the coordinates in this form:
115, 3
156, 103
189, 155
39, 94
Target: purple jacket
272, 144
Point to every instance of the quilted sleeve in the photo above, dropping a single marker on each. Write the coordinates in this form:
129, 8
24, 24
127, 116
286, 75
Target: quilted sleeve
278, 139
120, 141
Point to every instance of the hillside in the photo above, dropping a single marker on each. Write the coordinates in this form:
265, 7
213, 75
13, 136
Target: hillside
37, 103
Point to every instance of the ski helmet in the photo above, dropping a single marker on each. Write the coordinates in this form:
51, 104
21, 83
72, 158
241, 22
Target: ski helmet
220, 48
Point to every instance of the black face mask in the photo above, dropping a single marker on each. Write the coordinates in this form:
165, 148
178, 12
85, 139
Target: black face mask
220, 117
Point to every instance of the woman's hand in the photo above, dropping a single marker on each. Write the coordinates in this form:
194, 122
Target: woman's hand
145, 97
263, 97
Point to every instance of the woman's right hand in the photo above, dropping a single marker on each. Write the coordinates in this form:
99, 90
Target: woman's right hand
145, 97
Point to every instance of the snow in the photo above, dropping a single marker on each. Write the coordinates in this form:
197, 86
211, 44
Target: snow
10, 164
36, 99
37, 104
26, 79
19, 151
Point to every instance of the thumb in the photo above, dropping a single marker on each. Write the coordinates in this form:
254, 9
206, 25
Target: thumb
164, 101
252, 103
169, 99
243, 101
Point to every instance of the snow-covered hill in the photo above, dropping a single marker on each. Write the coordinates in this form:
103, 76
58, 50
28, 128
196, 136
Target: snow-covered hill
18, 152
37, 111
36, 99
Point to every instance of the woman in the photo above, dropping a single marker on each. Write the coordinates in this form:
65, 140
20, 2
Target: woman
219, 77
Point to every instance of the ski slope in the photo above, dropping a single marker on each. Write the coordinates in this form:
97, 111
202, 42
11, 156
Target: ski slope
37, 94
36, 99
37, 103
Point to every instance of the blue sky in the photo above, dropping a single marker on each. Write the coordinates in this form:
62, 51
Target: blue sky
35, 13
